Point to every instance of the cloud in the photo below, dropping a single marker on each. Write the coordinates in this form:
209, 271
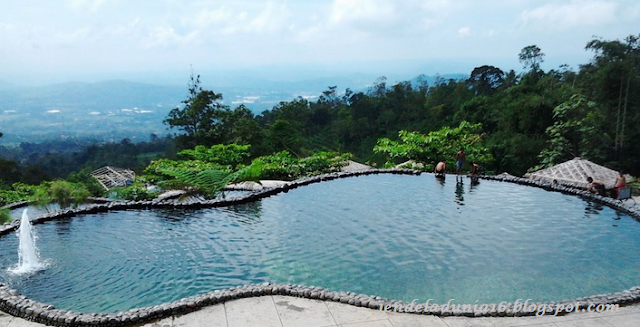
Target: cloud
271, 17
571, 15
165, 36
388, 17
90, 5
464, 32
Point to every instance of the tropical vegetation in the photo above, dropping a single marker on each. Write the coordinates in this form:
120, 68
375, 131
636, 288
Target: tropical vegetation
506, 121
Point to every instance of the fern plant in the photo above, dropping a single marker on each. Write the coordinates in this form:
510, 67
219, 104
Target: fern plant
210, 182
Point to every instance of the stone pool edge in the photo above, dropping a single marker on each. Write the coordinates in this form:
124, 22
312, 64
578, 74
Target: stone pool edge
12, 302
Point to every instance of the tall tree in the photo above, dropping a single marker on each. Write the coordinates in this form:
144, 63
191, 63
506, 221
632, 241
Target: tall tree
617, 65
201, 117
486, 79
576, 131
531, 57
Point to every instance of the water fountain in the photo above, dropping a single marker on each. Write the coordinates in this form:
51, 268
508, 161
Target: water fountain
28, 257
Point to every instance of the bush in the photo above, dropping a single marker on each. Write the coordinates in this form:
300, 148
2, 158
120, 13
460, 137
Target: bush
135, 192
284, 166
4, 216
61, 192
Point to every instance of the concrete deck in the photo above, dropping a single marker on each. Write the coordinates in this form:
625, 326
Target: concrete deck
284, 311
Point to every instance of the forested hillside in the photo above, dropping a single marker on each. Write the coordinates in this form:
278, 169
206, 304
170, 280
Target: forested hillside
528, 119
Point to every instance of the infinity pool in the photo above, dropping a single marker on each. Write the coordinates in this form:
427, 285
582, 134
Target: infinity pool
401, 237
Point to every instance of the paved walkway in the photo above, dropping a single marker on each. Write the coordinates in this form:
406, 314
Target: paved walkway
284, 311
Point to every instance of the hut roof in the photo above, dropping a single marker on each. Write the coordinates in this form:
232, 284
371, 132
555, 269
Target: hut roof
575, 172
110, 177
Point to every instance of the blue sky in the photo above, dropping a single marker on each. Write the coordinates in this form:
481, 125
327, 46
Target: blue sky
83, 40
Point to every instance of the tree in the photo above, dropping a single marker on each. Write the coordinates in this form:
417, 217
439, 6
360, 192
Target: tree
201, 117
531, 57
576, 131
440, 145
486, 79
231, 155
615, 66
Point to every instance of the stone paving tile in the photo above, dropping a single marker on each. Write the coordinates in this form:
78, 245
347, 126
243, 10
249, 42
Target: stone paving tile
257, 311
5, 319
377, 323
17, 322
412, 320
166, 322
346, 314
625, 320
213, 316
590, 322
295, 312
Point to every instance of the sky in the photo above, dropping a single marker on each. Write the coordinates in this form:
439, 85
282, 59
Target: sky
46, 41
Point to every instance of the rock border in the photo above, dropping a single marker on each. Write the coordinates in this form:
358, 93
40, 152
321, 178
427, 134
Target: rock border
12, 302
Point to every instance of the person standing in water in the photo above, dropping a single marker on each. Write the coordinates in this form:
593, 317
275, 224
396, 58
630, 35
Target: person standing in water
460, 158
441, 169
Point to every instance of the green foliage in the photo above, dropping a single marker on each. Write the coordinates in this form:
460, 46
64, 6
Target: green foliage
4, 216
284, 166
230, 156
531, 57
136, 192
84, 177
527, 119
19, 192
155, 171
208, 182
200, 117
577, 124
323, 162
440, 145
61, 192
279, 166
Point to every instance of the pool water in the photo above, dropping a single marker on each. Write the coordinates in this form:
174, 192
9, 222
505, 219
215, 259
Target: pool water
400, 237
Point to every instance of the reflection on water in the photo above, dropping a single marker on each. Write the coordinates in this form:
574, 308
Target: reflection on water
592, 209
459, 193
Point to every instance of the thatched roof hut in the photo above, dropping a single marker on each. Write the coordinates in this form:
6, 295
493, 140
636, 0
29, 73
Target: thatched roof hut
575, 172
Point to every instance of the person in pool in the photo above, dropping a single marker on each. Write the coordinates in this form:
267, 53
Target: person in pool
460, 158
475, 172
596, 186
441, 169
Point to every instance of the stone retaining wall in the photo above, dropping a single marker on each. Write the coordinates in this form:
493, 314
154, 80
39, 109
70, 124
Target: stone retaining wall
12, 302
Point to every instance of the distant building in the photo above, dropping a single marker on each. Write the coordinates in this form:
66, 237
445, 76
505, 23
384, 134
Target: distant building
110, 177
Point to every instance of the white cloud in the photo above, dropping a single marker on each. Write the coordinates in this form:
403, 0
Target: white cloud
391, 17
570, 15
90, 5
271, 17
464, 32
163, 36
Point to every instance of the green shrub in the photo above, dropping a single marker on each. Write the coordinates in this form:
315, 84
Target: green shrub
4, 216
284, 166
62, 192
135, 192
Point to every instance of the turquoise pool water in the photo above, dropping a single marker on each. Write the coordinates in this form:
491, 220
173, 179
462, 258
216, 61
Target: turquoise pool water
401, 237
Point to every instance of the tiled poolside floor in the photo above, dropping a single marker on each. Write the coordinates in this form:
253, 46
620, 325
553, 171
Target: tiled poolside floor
284, 311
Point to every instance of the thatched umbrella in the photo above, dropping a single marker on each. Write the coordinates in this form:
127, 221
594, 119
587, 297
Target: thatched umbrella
575, 172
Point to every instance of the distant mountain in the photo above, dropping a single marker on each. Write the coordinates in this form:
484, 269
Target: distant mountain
116, 109
82, 97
